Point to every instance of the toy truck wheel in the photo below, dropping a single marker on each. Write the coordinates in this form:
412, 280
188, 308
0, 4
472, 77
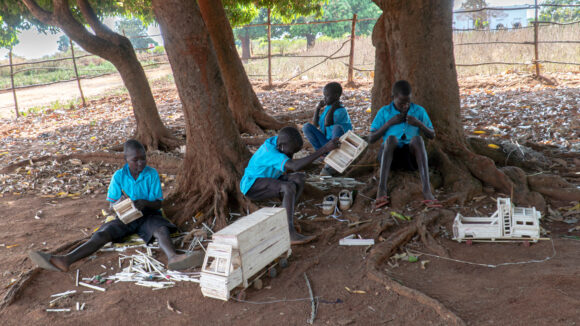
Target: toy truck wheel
272, 272
526, 243
241, 295
283, 262
258, 284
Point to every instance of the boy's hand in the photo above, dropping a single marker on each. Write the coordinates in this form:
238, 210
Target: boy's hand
413, 121
332, 144
399, 118
140, 204
320, 105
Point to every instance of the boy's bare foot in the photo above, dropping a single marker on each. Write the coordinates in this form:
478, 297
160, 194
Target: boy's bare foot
48, 261
181, 262
298, 239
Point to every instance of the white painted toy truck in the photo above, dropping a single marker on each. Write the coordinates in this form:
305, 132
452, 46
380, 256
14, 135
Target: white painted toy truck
241, 250
507, 223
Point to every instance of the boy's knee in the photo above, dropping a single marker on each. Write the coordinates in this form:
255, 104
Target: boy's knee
288, 188
392, 141
102, 236
161, 231
417, 142
308, 127
297, 178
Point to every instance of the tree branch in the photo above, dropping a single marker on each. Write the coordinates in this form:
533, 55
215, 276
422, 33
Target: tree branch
44, 16
100, 29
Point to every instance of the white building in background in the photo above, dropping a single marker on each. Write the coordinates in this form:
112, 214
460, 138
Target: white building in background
497, 19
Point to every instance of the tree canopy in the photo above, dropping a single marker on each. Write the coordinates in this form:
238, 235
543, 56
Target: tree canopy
136, 31
560, 14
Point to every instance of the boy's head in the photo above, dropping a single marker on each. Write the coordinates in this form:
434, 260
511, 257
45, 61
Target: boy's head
332, 92
135, 156
402, 95
289, 141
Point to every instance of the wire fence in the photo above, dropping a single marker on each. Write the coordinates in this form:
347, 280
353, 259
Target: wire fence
471, 44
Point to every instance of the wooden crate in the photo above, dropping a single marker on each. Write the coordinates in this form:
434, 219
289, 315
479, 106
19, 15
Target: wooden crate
247, 247
351, 146
126, 211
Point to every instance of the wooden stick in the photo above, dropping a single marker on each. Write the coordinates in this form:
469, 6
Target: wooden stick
92, 286
312, 303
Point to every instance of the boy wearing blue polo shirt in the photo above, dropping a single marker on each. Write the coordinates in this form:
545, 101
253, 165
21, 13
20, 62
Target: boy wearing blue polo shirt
400, 124
268, 173
141, 183
332, 123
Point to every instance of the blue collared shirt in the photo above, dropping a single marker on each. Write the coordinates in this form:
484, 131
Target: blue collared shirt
147, 186
341, 117
267, 162
389, 111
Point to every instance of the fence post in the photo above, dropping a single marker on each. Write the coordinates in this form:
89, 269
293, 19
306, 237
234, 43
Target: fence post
72, 49
269, 50
351, 54
536, 56
12, 81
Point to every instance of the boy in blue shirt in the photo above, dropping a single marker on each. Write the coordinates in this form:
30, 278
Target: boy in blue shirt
141, 183
400, 124
332, 123
266, 175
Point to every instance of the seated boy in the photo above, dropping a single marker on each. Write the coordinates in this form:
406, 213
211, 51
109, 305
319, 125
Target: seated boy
400, 123
140, 183
333, 122
265, 176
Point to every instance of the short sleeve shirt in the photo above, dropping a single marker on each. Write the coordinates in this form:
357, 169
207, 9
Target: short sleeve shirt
267, 162
389, 111
341, 117
147, 186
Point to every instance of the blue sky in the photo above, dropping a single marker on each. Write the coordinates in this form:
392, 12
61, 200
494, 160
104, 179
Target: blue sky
34, 45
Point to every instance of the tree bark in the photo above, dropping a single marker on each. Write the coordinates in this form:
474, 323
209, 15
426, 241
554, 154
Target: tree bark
208, 180
245, 38
310, 41
413, 41
118, 50
247, 109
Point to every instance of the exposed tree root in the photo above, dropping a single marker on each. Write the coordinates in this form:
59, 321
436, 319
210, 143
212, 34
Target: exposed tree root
384, 250
162, 139
167, 164
24, 279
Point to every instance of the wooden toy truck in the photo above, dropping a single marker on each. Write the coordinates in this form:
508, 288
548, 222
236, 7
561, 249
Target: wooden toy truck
508, 223
243, 249
351, 146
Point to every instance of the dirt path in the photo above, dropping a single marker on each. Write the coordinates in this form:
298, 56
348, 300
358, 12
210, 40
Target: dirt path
65, 92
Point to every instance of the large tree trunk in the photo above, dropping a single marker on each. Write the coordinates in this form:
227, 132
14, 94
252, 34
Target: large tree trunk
118, 50
413, 41
247, 109
212, 166
245, 38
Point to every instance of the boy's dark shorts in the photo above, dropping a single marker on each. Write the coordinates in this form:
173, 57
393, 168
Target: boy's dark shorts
144, 227
403, 158
266, 188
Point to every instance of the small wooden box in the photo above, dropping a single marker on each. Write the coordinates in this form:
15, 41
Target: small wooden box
126, 211
351, 146
242, 249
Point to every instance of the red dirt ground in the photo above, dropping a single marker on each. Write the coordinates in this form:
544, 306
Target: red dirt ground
541, 293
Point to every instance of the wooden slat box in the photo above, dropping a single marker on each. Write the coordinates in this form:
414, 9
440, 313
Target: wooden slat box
126, 211
252, 243
351, 146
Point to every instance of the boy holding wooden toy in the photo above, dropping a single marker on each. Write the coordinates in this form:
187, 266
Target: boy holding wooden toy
332, 123
140, 183
400, 124
266, 175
